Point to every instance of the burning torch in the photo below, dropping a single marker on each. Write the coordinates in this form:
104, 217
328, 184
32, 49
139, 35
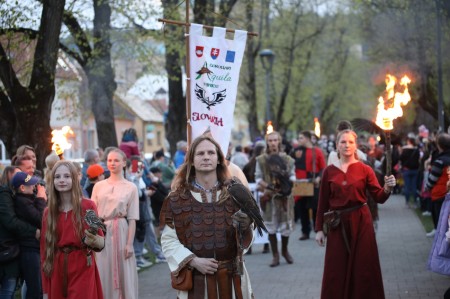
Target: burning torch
59, 140
269, 127
317, 127
389, 108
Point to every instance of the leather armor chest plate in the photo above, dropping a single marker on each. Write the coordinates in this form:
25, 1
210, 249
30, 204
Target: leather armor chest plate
204, 228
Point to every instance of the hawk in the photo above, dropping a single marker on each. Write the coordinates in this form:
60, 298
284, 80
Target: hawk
245, 200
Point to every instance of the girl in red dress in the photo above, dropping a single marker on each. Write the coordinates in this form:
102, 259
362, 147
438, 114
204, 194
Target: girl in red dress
352, 266
67, 258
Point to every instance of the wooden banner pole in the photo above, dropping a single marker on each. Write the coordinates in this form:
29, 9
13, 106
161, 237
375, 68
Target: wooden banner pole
188, 79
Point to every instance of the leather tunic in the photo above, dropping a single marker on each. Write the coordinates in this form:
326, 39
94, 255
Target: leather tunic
204, 228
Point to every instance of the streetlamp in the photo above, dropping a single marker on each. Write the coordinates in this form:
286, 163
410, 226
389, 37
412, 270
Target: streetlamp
267, 58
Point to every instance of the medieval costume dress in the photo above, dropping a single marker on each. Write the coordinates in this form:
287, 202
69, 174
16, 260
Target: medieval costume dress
352, 267
117, 202
82, 280
194, 227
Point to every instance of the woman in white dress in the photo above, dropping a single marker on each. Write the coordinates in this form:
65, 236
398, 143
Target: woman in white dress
118, 204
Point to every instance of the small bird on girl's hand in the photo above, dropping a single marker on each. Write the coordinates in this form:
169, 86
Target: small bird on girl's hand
94, 222
245, 200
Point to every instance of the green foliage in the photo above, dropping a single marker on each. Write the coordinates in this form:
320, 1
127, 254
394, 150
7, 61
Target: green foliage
401, 37
320, 63
332, 64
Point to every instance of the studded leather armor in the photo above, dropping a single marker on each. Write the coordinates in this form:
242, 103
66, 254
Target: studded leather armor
204, 228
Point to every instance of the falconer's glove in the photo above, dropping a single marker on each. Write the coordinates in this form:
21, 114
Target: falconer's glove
94, 241
241, 221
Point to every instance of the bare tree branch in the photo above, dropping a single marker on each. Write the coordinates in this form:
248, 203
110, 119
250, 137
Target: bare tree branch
79, 36
7, 73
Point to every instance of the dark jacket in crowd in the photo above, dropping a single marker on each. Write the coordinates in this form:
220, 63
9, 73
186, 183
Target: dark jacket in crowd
11, 227
30, 209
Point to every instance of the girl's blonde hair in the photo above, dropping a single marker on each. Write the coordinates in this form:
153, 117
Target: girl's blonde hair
53, 204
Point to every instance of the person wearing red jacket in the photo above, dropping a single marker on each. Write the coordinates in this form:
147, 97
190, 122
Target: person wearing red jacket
309, 163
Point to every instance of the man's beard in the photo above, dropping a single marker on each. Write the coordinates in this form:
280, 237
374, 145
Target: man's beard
273, 150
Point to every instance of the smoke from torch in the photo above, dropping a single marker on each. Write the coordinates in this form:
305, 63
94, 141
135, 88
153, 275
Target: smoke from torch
59, 140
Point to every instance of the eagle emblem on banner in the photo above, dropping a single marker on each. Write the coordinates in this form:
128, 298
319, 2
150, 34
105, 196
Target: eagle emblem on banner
218, 97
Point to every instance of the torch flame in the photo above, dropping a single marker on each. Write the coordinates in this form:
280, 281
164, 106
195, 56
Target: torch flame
59, 139
316, 127
390, 108
269, 127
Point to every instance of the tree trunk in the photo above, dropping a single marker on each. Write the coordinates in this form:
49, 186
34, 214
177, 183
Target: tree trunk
101, 76
26, 110
176, 117
33, 125
250, 80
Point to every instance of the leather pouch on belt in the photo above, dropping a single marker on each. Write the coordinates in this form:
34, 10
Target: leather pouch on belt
182, 282
331, 220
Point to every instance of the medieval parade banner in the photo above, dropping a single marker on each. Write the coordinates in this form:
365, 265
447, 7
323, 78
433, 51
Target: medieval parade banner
214, 75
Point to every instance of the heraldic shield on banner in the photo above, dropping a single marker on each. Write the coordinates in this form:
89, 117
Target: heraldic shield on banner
215, 63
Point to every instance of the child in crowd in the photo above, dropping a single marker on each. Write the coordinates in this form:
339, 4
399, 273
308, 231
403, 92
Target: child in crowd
68, 263
95, 173
29, 207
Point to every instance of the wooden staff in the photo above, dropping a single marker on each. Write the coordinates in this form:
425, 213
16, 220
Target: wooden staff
388, 153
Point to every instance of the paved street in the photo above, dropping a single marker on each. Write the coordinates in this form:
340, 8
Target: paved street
403, 252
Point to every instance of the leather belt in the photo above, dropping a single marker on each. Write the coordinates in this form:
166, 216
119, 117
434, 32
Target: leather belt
66, 250
344, 234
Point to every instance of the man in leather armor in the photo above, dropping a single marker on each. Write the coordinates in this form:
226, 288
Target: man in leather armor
203, 228
274, 175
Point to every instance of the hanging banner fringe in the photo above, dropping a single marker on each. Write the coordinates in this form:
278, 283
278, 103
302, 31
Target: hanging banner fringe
214, 75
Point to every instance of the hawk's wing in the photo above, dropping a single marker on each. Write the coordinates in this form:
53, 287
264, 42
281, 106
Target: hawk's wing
245, 200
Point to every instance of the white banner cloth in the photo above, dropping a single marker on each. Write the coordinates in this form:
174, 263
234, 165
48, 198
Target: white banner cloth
214, 75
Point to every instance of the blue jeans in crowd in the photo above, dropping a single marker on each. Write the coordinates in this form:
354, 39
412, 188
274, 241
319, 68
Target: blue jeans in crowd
410, 187
8, 287
150, 238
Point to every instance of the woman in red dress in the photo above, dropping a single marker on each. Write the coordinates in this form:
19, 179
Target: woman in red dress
352, 266
67, 258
